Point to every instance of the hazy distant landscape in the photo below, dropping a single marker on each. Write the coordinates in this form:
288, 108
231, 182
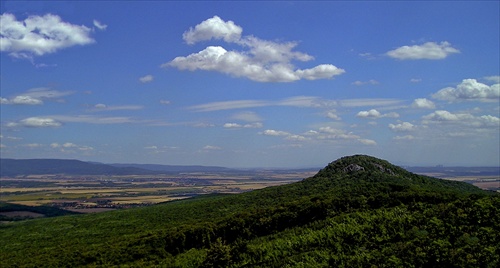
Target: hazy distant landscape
358, 210
77, 186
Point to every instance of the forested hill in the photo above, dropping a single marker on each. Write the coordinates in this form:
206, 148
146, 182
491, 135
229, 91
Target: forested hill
358, 211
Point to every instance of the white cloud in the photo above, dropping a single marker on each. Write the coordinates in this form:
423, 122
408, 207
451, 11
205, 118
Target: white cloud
25, 100
294, 137
297, 101
247, 116
405, 126
35, 96
104, 107
164, 102
470, 90
272, 132
332, 114
213, 28
368, 102
39, 35
69, 145
468, 119
369, 114
265, 61
423, 103
369, 82
429, 51
329, 133
211, 148
373, 113
33, 145
494, 78
100, 25
232, 125
416, 80
146, 79
93, 119
405, 137
36, 122
368, 142
288, 136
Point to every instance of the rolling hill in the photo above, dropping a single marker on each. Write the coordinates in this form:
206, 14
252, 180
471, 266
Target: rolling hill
358, 211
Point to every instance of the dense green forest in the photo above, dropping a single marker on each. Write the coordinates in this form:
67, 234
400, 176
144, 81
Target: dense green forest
359, 211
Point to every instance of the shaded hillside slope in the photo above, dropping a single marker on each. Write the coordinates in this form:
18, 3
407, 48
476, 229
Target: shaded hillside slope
358, 211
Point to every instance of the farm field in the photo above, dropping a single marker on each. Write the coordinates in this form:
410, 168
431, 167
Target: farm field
91, 194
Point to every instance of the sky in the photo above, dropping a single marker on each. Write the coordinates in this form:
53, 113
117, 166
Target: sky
251, 84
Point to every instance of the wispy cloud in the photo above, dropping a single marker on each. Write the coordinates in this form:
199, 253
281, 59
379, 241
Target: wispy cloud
103, 107
93, 119
297, 101
36, 96
36, 122
99, 25
369, 82
146, 79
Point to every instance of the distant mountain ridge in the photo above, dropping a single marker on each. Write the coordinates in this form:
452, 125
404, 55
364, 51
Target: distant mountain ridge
18, 167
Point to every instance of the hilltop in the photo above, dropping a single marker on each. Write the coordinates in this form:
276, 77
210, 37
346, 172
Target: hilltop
357, 211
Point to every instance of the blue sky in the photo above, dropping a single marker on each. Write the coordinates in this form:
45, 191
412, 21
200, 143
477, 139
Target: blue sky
251, 84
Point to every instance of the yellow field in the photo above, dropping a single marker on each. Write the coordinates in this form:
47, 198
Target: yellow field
99, 193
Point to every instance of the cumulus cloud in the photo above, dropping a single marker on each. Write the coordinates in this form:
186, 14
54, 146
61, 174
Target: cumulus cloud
428, 51
264, 61
36, 122
213, 28
401, 127
35, 96
39, 35
146, 79
423, 103
471, 90
374, 114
